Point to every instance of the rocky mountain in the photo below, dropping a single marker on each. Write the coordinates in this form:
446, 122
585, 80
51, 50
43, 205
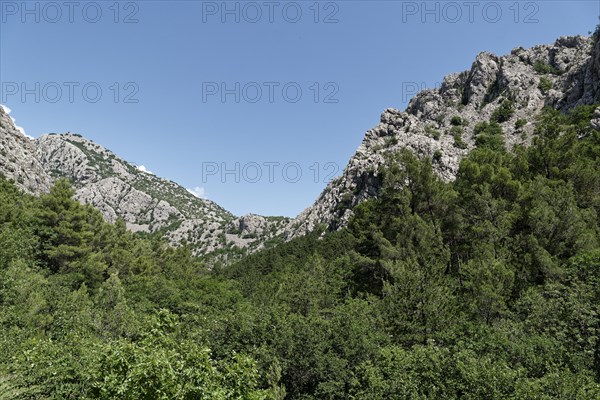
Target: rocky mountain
440, 123
148, 203
119, 189
18, 160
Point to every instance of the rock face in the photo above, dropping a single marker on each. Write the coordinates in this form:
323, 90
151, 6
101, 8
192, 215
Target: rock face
146, 202
562, 75
438, 123
17, 158
118, 189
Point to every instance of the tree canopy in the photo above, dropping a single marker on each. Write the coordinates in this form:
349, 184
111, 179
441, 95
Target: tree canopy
487, 287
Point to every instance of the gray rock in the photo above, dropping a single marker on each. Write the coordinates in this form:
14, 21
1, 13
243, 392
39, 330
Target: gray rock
150, 204
17, 158
473, 96
119, 190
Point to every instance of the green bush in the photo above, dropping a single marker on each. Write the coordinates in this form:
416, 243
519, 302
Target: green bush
457, 132
543, 68
391, 141
545, 84
504, 112
433, 133
520, 123
456, 121
489, 135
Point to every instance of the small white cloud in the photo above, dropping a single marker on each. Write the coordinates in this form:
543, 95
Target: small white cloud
198, 191
7, 110
20, 129
144, 169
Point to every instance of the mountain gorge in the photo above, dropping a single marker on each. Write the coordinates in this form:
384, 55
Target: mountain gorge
438, 123
457, 257
119, 189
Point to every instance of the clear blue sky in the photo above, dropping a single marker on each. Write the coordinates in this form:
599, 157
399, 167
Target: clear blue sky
173, 56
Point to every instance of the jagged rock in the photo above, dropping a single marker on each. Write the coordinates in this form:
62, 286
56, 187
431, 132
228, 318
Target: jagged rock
595, 122
17, 158
571, 65
562, 75
145, 202
119, 190
253, 230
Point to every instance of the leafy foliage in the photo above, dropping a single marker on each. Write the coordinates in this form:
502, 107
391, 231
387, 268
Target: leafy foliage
543, 68
490, 135
487, 287
504, 112
545, 84
457, 132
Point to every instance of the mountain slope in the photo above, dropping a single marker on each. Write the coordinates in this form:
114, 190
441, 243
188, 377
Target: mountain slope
146, 202
119, 189
17, 158
440, 123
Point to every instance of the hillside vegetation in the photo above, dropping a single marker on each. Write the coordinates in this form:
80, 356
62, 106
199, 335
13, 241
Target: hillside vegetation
487, 287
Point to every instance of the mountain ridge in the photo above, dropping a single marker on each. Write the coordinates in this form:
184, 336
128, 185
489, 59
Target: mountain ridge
438, 123
146, 202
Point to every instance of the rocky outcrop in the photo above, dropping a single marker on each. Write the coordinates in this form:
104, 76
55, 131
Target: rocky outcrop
119, 189
17, 158
144, 201
253, 231
439, 123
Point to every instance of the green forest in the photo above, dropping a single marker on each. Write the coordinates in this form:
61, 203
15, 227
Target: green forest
487, 287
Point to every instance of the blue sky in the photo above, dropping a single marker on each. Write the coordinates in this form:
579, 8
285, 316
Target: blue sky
260, 90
